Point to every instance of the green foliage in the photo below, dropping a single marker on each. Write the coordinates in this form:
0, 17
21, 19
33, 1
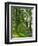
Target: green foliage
21, 22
